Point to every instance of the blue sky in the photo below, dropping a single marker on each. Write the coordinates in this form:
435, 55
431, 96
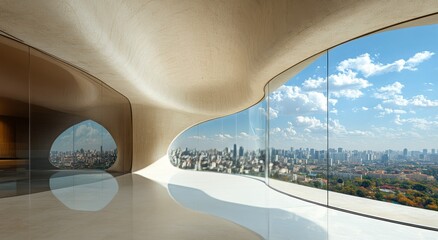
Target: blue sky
88, 135
382, 95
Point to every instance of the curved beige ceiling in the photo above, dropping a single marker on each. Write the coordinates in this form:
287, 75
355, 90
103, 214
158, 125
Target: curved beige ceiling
192, 55
194, 59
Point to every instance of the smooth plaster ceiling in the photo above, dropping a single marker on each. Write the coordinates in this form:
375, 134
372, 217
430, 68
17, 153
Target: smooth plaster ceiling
193, 59
192, 55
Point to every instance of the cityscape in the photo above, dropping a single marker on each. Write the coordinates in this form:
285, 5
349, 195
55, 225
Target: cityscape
406, 177
377, 92
83, 159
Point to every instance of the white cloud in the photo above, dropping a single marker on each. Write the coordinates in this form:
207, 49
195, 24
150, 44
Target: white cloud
422, 101
417, 59
244, 134
87, 135
86, 131
287, 133
344, 84
347, 93
223, 136
365, 65
290, 131
417, 101
273, 113
385, 111
319, 83
355, 109
348, 79
360, 133
394, 133
310, 122
392, 94
419, 123
91, 136
389, 91
333, 101
336, 128
398, 100
198, 137
291, 100
378, 107
275, 130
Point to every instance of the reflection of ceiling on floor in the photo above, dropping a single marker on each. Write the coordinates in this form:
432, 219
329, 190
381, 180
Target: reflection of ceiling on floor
137, 209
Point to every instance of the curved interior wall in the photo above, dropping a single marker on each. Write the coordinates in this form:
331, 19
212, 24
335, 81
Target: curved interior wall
350, 128
40, 97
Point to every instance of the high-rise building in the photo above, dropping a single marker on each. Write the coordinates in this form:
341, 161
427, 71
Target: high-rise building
180, 63
240, 151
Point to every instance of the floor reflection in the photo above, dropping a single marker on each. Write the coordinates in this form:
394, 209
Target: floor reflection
250, 203
85, 191
284, 224
139, 209
23, 182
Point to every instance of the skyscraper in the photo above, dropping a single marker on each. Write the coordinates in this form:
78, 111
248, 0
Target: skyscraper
235, 152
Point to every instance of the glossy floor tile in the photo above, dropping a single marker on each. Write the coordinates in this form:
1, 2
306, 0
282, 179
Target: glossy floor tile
100, 206
251, 203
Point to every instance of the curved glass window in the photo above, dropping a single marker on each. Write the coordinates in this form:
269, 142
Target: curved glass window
353, 128
232, 144
86, 145
40, 98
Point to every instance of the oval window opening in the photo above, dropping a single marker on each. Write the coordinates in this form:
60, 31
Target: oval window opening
86, 145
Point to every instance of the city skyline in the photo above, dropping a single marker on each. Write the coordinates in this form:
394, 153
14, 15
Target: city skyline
87, 135
381, 96
240, 150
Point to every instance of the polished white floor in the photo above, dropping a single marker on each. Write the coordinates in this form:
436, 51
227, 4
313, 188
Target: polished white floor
97, 206
163, 202
273, 215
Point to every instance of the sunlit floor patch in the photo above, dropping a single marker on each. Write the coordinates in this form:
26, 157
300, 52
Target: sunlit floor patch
271, 214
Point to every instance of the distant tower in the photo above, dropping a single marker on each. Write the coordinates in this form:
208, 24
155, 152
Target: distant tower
240, 151
235, 152
226, 151
405, 152
101, 154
